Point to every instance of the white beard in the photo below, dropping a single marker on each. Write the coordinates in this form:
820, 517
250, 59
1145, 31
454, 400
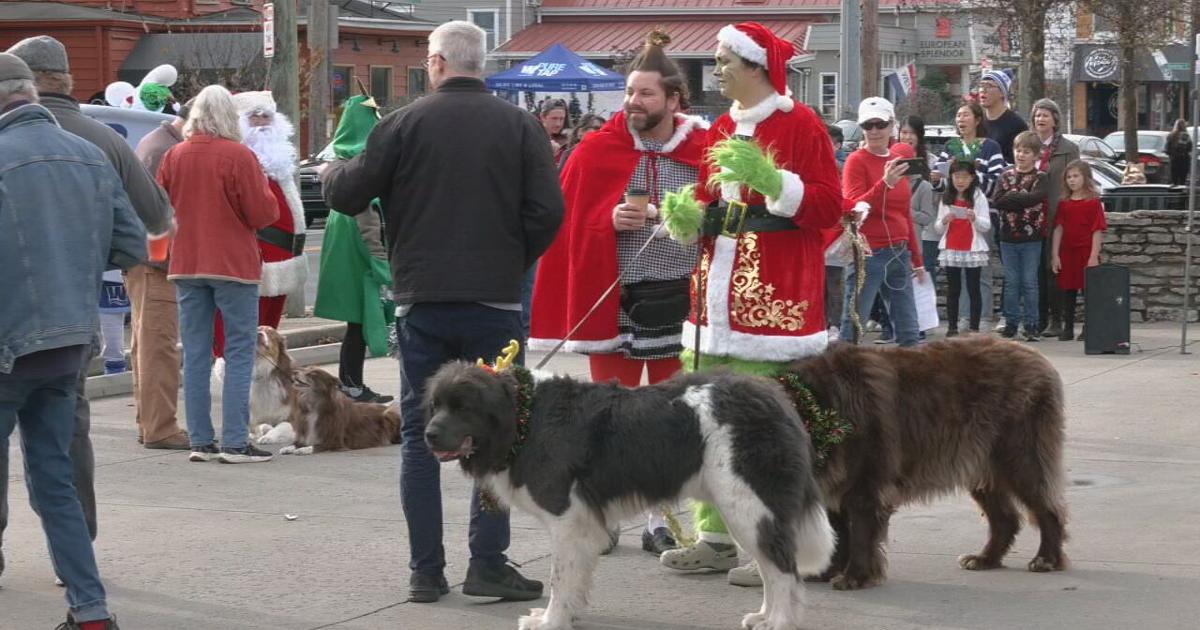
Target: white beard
276, 153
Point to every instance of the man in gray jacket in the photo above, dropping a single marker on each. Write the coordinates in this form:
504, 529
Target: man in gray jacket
64, 221
47, 58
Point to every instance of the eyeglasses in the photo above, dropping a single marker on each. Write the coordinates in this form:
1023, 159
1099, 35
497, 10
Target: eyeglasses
429, 60
872, 125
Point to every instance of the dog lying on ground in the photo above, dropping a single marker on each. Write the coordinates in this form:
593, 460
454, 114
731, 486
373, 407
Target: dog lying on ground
596, 453
329, 421
977, 414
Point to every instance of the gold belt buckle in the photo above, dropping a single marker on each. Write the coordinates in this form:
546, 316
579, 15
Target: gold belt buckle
738, 208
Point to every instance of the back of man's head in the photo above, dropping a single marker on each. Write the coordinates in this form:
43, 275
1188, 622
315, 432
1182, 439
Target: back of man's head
16, 80
462, 44
47, 58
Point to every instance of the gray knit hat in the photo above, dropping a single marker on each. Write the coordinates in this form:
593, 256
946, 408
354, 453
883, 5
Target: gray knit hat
1050, 106
13, 69
43, 54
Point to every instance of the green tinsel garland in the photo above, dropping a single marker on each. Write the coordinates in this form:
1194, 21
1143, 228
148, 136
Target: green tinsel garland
826, 428
487, 500
739, 161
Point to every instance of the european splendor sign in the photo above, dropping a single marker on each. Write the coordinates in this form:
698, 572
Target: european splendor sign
954, 51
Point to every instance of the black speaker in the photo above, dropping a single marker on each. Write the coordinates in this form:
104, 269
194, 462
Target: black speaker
1106, 310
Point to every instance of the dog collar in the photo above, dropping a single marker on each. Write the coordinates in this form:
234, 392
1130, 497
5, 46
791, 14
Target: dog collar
826, 428
524, 409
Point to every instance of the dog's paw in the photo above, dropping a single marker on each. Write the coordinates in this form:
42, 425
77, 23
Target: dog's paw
288, 450
535, 620
751, 621
824, 576
844, 582
282, 433
1042, 564
304, 450
258, 431
974, 562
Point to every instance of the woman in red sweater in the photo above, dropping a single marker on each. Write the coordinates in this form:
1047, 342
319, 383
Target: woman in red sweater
874, 175
221, 197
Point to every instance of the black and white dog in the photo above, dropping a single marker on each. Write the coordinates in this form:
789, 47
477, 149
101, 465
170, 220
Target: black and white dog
592, 454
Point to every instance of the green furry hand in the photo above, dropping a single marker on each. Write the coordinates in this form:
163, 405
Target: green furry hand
738, 161
682, 214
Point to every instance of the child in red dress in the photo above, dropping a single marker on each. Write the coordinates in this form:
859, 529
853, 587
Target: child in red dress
1078, 233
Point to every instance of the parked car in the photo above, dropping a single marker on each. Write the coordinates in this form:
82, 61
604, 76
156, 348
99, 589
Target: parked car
1104, 174
852, 134
936, 137
1091, 146
310, 192
1152, 152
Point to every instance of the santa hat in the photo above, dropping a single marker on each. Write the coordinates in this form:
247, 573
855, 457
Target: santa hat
754, 42
261, 103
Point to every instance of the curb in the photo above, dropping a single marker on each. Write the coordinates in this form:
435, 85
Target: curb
302, 345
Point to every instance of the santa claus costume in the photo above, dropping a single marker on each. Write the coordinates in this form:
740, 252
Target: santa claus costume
281, 244
590, 253
761, 277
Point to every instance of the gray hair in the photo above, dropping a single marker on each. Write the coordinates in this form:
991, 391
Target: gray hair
14, 89
54, 82
1050, 106
462, 44
214, 114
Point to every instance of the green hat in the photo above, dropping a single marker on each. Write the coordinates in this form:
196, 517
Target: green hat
359, 117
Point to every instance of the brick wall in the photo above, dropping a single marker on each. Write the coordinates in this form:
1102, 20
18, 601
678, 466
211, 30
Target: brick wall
1151, 243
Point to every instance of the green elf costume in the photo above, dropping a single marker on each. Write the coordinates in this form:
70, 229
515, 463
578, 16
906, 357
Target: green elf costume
354, 266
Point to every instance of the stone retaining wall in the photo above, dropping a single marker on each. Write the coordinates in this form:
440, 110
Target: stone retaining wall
1151, 244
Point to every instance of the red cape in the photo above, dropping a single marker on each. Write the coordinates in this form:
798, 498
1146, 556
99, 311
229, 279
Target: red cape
582, 262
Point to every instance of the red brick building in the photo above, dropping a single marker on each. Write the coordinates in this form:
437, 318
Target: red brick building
110, 40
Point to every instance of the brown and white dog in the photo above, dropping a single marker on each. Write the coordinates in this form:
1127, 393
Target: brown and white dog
329, 421
273, 403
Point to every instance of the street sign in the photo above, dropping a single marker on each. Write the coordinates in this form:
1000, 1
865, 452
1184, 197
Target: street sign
268, 30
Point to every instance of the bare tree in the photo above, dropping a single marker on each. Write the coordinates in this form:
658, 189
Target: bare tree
1027, 18
1138, 25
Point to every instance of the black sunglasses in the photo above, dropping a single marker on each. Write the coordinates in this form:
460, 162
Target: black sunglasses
879, 124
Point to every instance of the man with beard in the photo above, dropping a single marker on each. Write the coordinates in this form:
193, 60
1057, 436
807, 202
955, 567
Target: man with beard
650, 149
268, 133
761, 279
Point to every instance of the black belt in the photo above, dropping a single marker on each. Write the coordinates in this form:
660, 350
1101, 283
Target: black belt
293, 243
734, 217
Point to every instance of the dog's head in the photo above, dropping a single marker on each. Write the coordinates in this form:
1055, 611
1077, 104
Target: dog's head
472, 416
314, 384
272, 346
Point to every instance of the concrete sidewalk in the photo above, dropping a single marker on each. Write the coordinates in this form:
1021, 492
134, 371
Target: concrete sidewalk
207, 546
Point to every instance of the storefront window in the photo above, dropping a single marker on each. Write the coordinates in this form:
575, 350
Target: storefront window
829, 95
381, 84
340, 84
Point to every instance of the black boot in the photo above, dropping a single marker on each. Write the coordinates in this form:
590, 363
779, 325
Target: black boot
658, 541
426, 589
503, 581
1054, 328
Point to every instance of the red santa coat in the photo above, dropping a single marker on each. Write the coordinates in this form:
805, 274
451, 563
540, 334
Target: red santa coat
283, 271
582, 262
764, 292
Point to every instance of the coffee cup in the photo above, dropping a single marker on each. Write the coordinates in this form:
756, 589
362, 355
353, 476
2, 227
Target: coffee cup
638, 198
159, 248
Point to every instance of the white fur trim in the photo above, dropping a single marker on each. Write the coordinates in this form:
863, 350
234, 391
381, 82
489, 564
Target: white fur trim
718, 339
291, 192
246, 102
790, 199
684, 126
579, 347
762, 111
730, 191
283, 277
742, 44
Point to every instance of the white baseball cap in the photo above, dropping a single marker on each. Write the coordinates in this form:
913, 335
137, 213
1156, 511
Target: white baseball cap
875, 108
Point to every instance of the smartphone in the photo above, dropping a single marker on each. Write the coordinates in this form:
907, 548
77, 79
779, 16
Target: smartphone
917, 166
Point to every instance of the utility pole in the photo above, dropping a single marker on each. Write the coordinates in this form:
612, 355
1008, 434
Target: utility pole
870, 49
322, 19
850, 66
285, 88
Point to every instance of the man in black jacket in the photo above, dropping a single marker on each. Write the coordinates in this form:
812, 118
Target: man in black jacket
471, 200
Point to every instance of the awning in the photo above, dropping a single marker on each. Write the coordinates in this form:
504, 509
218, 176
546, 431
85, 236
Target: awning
191, 51
557, 70
692, 38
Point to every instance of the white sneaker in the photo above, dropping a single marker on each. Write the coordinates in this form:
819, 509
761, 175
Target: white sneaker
700, 556
746, 575
1000, 325
872, 326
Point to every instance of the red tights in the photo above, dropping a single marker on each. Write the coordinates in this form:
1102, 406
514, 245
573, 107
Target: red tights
628, 372
270, 312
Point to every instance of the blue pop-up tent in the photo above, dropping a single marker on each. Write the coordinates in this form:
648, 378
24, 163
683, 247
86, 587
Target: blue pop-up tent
557, 69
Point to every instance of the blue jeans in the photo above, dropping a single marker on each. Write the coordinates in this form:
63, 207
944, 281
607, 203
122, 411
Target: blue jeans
889, 273
1021, 262
198, 301
430, 335
45, 410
